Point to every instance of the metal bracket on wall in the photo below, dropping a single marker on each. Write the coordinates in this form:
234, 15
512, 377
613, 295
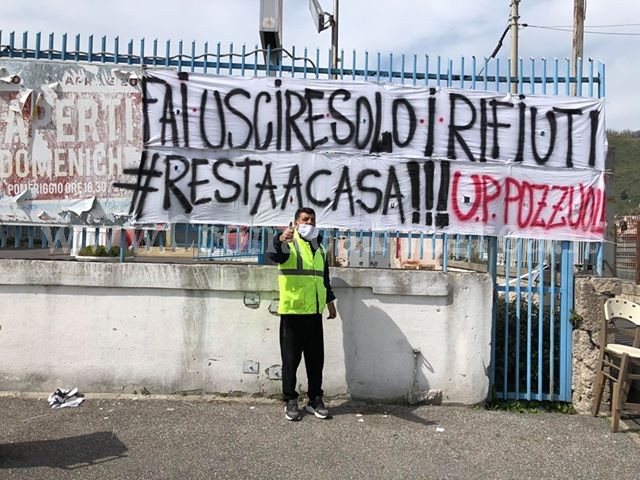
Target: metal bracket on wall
251, 367
252, 300
273, 306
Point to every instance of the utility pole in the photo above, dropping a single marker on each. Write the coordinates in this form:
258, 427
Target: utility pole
515, 16
334, 38
579, 14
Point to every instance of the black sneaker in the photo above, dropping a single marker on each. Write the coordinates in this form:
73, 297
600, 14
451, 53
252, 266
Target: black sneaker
291, 410
316, 406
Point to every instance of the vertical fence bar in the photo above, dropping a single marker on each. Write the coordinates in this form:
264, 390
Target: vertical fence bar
518, 313
492, 269
25, 43
485, 74
155, 51
205, 62
445, 251
123, 244
17, 234
366, 65
12, 39
552, 328
130, 52
426, 69
520, 76
30, 234
540, 315
50, 49
565, 325
590, 93
579, 78
529, 314
414, 77
473, 73
193, 57
64, 47
532, 77
505, 354
4, 234
38, 42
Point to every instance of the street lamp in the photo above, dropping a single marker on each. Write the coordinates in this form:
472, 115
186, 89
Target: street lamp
322, 21
271, 30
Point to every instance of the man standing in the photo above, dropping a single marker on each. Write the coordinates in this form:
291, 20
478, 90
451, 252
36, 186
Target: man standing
305, 289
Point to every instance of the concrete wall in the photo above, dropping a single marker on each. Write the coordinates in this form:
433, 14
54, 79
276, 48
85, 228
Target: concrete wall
110, 327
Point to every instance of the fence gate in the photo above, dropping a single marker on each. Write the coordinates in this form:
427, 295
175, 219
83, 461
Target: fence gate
533, 302
533, 295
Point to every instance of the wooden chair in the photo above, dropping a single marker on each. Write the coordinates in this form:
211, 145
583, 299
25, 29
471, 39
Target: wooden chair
619, 352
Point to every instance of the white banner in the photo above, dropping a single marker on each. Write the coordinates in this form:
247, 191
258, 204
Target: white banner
368, 156
373, 193
296, 115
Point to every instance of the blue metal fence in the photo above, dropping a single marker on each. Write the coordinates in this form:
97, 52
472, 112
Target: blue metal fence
533, 279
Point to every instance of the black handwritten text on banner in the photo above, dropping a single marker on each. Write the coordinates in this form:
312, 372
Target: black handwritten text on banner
378, 193
295, 115
368, 156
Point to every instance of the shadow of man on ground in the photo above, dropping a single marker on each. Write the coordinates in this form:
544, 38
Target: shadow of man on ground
68, 453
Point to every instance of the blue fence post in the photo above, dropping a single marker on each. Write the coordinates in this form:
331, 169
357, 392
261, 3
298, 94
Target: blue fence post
123, 245
492, 269
565, 322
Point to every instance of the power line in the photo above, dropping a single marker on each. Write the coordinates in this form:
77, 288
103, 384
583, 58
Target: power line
499, 44
596, 26
558, 29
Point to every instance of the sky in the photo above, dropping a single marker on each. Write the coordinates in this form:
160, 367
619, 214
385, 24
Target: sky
451, 29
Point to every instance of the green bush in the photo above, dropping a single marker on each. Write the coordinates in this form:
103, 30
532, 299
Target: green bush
520, 340
87, 251
101, 251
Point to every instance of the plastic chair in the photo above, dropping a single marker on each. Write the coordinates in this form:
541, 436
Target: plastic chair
619, 352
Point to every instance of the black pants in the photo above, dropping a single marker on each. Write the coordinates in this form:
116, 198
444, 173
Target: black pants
301, 334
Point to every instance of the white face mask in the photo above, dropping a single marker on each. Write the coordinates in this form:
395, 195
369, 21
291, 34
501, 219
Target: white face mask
308, 232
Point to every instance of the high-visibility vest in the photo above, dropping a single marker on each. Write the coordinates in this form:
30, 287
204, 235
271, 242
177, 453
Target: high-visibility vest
301, 279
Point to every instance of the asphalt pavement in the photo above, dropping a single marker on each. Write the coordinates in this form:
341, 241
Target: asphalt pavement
205, 438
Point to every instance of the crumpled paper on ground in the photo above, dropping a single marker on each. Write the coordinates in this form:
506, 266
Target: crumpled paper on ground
65, 398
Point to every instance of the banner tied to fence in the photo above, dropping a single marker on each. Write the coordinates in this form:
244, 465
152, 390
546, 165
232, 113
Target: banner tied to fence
91, 144
369, 156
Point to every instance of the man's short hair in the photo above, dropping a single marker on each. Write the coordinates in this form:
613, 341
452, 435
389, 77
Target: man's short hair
307, 210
